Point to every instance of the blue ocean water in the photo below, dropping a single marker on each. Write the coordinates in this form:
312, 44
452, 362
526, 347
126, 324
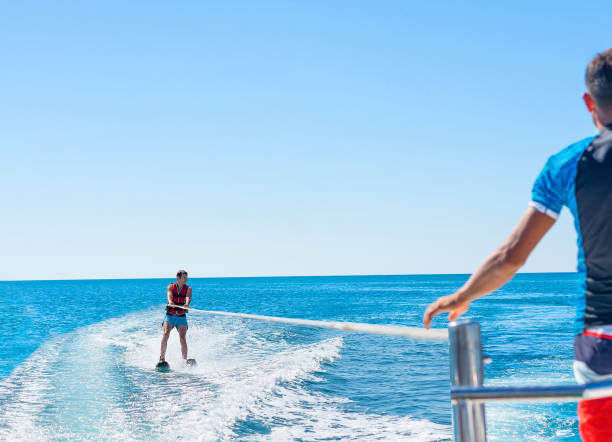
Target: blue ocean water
76, 360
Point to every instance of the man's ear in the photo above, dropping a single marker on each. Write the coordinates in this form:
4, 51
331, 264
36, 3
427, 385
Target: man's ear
588, 100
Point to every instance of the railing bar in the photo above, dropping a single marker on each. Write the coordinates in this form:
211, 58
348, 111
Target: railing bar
554, 392
489, 400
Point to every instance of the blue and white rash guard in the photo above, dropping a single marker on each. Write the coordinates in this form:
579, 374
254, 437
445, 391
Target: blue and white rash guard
580, 178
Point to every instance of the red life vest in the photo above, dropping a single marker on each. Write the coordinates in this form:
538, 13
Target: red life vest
178, 298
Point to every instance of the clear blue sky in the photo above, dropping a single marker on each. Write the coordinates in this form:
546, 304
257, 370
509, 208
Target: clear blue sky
283, 138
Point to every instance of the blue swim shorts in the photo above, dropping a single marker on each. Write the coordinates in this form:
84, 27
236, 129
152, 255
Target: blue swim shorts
176, 321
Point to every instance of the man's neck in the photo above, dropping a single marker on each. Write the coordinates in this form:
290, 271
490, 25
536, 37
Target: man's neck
602, 120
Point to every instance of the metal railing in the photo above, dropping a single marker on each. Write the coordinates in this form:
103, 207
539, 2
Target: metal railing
468, 395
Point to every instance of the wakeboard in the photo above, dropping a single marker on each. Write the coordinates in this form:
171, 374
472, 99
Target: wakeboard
191, 363
162, 366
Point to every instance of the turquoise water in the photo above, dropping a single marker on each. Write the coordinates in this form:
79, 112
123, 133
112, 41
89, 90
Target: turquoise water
76, 360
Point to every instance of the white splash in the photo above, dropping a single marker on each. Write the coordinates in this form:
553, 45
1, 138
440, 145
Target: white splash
98, 383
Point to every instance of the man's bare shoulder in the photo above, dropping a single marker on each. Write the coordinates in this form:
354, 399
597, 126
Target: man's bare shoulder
170, 286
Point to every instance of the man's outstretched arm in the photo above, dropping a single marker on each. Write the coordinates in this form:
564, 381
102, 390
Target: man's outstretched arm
497, 269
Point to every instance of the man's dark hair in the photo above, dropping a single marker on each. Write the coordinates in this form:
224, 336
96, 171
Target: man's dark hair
180, 273
599, 79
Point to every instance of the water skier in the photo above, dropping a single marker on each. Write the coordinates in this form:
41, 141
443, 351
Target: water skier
178, 295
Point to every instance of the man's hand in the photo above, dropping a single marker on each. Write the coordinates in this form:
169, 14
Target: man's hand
450, 303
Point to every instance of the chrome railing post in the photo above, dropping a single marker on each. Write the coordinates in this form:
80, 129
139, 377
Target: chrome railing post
466, 370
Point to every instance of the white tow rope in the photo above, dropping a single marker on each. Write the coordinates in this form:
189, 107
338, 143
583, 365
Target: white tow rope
359, 327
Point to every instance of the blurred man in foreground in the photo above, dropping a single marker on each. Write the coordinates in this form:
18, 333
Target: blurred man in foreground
580, 178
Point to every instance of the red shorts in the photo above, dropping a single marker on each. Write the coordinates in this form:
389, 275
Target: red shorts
593, 354
595, 417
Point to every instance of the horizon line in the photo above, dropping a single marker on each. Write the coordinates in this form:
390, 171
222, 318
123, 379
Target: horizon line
268, 276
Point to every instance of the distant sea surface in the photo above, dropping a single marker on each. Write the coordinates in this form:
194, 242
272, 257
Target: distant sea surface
77, 358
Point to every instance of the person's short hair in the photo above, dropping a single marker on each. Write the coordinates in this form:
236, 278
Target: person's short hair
180, 273
599, 79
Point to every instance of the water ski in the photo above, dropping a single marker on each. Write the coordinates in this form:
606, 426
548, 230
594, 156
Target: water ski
162, 366
190, 363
